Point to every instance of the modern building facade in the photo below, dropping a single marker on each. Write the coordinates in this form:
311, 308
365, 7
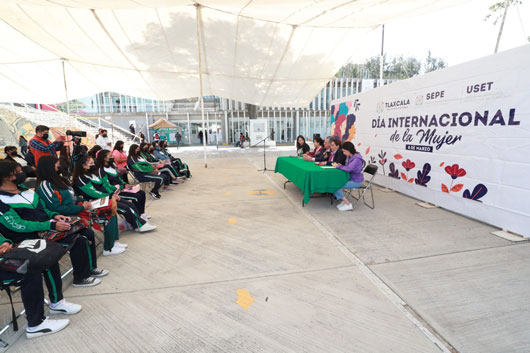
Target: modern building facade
225, 118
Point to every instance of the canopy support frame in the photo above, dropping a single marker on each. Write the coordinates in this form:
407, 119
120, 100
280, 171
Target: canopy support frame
204, 133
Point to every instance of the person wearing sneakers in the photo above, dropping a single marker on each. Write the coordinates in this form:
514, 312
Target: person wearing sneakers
182, 167
106, 171
144, 171
33, 297
89, 186
23, 215
353, 165
164, 169
58, 195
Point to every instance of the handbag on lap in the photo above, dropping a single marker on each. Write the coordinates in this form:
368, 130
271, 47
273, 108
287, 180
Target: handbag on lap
32, 256
77, 224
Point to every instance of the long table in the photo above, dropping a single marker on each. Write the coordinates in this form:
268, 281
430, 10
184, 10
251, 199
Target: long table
309, 177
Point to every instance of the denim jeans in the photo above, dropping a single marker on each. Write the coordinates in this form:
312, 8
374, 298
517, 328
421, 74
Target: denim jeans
349, 185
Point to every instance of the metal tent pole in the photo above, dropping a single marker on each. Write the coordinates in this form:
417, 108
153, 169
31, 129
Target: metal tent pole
65, 89
381, 58
198, 11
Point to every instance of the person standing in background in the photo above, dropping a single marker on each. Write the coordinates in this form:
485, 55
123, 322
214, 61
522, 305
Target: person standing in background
39, 145
133, 131
142, 137
104, 141
178, 138
23, 144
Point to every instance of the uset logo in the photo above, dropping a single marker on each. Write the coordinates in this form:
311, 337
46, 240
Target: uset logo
380, 107
419, 100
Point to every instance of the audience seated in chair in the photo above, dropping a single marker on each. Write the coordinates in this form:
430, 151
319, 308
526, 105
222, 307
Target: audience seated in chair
58, 195
25, 215
107, 171
145, 172
33, 296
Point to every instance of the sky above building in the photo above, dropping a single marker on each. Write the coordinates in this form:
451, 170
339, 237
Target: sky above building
456, 34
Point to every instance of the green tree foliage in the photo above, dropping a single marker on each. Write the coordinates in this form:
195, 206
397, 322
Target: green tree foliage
497, 10
397, 67
433, 64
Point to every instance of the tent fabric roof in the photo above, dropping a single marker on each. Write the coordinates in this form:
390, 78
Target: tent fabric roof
160, 123
265, 52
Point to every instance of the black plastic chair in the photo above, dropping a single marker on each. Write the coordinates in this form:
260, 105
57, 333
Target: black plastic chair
371, 169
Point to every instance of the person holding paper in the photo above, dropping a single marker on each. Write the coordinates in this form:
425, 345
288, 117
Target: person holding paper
107, 172
25, 216
91, 187
58, 195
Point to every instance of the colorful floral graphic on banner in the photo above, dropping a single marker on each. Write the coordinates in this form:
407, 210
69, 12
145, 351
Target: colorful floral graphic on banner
343, 121
457, 137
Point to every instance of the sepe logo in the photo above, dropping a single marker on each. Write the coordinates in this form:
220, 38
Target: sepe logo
356, 104
380, 107
419, 99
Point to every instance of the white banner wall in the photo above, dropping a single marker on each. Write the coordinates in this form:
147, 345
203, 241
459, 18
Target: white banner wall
458, 137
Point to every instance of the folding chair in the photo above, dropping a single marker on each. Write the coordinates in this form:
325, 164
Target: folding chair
6, 285
133, 181
371, 169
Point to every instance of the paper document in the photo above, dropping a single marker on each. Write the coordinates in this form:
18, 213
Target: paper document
133, 189
327, 167
99, 203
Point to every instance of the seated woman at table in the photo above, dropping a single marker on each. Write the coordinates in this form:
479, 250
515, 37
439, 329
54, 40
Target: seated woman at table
301, 147
318, 152
354, 166
335, 154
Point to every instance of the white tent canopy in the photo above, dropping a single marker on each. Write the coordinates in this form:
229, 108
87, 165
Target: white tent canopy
265, 52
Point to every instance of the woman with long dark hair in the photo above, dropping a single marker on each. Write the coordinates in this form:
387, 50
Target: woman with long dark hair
58, 195
106, 170
301, 146
147, 152
353, 165
120, 159
181, 167
90, 186
144, 171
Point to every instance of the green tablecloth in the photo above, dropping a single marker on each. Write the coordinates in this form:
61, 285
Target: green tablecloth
309, 177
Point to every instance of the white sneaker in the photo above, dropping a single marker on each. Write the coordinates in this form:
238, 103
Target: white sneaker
120, 245
64, 307
146, 228
46, 327
145, 216
346, 207
114, 251
340, 204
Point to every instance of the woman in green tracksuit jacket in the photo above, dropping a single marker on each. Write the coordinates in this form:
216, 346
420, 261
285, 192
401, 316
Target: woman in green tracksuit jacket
144, 171
107, 172
146, 151
90, 186
59, 196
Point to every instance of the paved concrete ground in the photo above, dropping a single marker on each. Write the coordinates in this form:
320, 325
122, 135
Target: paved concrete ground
393, 279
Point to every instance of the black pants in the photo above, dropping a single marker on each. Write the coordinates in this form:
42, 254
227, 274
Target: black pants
138, 199
83, 253
33, 294
131, 213
148, 178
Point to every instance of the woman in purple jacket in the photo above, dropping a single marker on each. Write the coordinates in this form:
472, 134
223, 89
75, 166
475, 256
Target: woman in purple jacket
354, 165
